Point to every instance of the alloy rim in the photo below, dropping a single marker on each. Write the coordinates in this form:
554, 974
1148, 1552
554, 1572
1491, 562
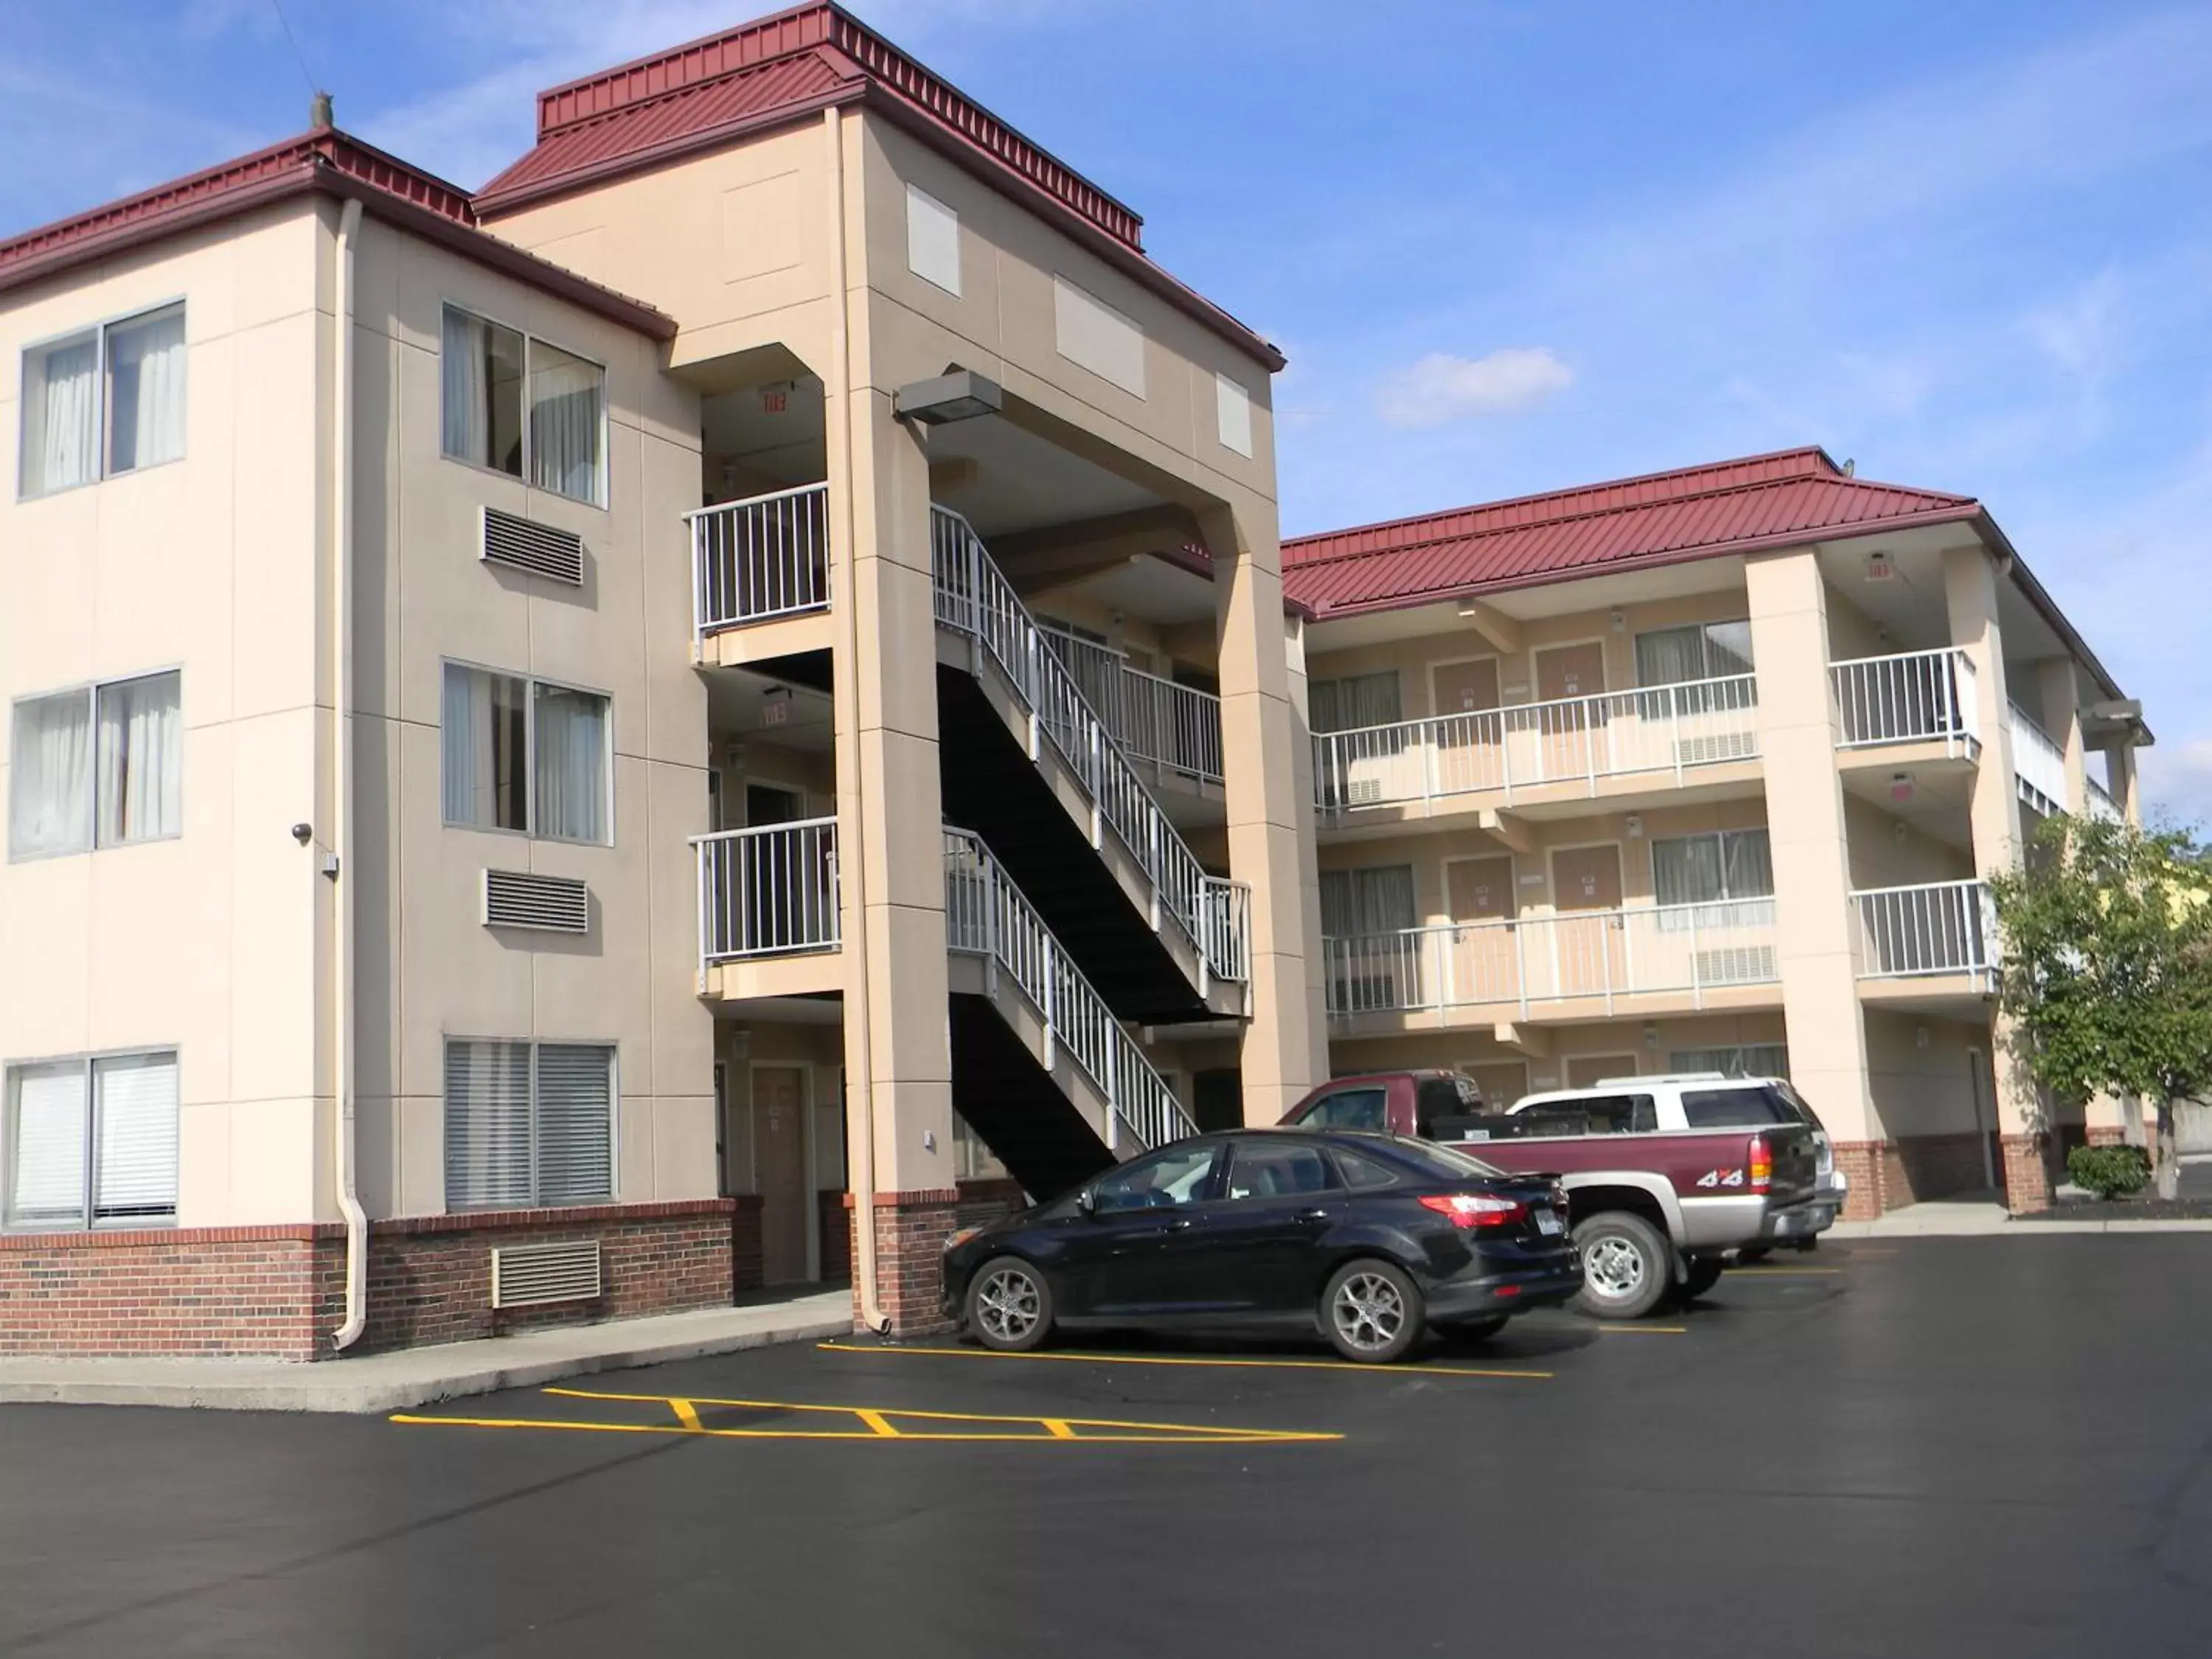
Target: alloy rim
1614, 1267
1369, 1312
1008, 1306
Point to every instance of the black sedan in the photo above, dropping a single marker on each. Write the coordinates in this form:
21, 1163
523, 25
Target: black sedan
1370, 1239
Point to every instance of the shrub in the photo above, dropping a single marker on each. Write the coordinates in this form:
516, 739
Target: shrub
2109, 1171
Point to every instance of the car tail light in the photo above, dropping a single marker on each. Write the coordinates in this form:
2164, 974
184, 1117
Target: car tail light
1476, 1209
1762, 1164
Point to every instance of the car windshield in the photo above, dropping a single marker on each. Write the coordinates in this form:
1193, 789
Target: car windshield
1449, 1162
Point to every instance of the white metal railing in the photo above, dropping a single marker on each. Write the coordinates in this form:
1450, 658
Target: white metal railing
987, 915
1909, 697
2101, 804
973, 598
1174, 726
769, 891
1562, 956
1655, 729
1939, 927
1229, 926
2038, 764
761, 558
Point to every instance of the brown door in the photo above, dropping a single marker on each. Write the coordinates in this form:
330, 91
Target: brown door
1503, 1081
1588, 950
1572, 737
1485, 957
1588, 1071
780, 1170
1467, 736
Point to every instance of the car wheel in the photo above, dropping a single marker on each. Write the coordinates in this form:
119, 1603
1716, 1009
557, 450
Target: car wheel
1626, 1266
1009, 1305
1705, 1272
1373, 1312
1476, 1330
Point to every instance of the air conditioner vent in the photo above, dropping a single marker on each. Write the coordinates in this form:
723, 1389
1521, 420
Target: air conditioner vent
527, 1275
548, 905
1363, 791
1741, 964
1725, 746
556, 554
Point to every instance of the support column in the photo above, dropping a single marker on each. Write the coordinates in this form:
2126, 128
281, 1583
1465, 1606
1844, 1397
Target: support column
1269, 793
2059, 690
1970, 591
2125, 783
1814, 925
890, 848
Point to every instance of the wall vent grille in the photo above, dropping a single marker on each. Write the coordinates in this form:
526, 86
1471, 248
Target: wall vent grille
555, 554
528, 1275
548, 905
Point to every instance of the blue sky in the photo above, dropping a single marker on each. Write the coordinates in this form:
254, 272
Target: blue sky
1507, 247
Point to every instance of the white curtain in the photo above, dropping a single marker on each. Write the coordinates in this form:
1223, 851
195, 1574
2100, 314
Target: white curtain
146, 392
1349, 705
45, 1144
1670, 657
565, 397
61, 416
1360, 901
136, 1133
141, 761
572, 764
50, 805
464, 398
464, 737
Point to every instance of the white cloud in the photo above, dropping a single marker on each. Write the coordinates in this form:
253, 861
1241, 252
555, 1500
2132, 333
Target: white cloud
2080, 333
1441, 388
2177, 780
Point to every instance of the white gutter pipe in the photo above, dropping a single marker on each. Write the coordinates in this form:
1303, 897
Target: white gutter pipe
860, 1158
342, 928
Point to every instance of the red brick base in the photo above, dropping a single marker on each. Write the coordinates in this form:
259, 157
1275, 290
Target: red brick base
279, 1292
2107, 1135
1887, 1175
2026, 1173
911, 1228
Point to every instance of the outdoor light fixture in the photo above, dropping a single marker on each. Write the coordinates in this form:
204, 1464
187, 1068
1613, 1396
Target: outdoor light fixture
1651, 1036
1901, 832
1620, 621
1634, 826
1900, 786
960, 396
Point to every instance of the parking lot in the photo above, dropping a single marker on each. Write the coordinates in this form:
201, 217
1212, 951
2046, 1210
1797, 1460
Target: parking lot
1932, 1447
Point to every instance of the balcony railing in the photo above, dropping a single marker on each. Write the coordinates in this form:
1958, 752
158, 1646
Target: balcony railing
756, 560
1527, 961
973, 598
1912, 697
2038, 764
2101, 804
987, 915
1659, 729
1174, 725
770, 891
1940, 929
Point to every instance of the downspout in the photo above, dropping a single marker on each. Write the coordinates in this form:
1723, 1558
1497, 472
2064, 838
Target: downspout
342, 928
860, 1158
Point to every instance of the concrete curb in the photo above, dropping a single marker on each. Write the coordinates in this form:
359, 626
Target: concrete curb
2005, 1229
323, 1385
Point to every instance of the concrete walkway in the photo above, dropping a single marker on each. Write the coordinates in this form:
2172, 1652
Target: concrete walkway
415, 1376
1982, 1217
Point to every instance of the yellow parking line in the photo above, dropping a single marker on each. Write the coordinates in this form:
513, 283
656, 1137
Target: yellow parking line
1782, 1273
686, 1413
1645, 1330
865, 1411
1399, 1371
1191, 1437
1057, 1428
875, 1421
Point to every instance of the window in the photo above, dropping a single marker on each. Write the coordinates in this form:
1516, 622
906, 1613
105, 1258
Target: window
1232, 415
102, 766
1278, 1168
1350, 1108
92, 1143
1744, 1060
1611, 1114
521, 754
1357, 902
528, 1123
1091, 333
1746, 1107
107, 401
1181, 1174
513, 404
1736, 864
932, 240
1703, 651
1362, 1173
1443, 1100
1349, 704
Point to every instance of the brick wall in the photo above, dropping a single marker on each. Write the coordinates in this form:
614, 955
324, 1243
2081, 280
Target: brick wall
2026, 1173
833, 1208
983, 1202
911, 1228
1942, 1166
1876, 1176
279, 1292
2107, 1135
748, 1262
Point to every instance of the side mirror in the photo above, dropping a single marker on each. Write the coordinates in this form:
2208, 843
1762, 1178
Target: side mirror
1087, 1200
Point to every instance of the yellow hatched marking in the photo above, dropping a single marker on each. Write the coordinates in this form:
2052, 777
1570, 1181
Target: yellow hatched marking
686, 1415
1057, 1428
920, 1416
1399, 1372
877, 1424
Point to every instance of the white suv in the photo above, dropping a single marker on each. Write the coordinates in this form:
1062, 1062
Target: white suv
1700, 1100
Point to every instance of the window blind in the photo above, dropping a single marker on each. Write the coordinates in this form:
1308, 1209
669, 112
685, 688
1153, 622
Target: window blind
136, 1176
46, 1146
488, 1132
575, 1124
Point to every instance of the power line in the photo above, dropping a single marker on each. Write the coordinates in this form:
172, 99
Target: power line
298, 56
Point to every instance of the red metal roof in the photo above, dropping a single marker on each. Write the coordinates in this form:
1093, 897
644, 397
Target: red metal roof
325, 160
1664, 517
782, 69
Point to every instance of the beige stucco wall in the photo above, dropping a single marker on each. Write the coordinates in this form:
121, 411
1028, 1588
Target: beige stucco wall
212, 943
430, 970
1879, 858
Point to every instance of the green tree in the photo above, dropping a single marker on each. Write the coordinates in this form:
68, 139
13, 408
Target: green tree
2107, 937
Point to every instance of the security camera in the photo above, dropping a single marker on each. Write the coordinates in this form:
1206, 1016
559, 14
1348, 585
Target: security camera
303, 833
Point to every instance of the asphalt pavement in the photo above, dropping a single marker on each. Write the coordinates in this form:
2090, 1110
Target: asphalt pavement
1950, 1447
